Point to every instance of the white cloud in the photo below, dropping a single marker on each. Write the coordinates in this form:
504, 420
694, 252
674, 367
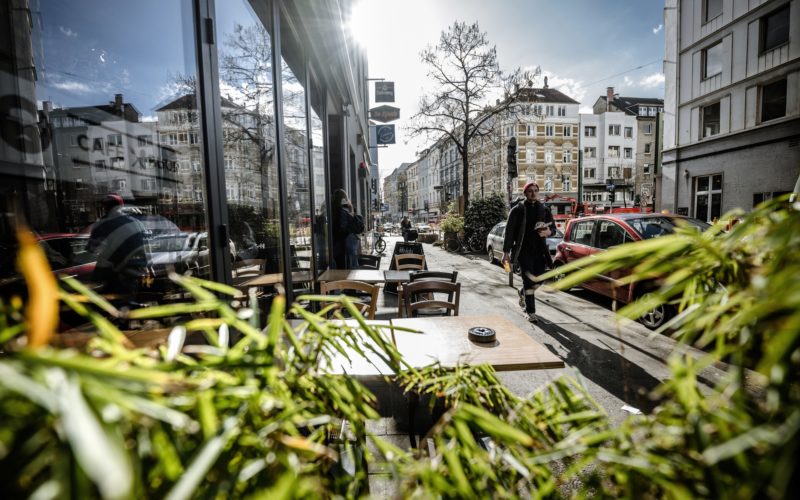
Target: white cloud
651, 81
569, 86
72, 86
68, 32
627, 82
657, 29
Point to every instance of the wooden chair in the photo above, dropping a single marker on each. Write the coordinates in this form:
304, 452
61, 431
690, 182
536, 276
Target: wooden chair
369, 261
409, 261
421, 295
351, 288
450, 276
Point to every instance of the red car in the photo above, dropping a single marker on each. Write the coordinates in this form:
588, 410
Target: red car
586, 236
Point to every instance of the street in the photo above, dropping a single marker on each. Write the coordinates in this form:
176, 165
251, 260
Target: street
618, 364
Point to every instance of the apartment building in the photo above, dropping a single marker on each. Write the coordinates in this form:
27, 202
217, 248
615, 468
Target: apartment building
608, 141
732, 104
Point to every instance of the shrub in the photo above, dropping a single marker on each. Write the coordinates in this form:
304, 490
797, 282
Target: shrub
481, 216
452, 222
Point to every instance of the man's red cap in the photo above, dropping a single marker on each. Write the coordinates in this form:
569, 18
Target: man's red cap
529, 185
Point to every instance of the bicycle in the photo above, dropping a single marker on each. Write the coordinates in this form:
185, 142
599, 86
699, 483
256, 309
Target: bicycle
378, 243
461, 245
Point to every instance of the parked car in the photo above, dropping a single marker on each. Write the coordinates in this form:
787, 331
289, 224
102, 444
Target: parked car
587, 236
494, 242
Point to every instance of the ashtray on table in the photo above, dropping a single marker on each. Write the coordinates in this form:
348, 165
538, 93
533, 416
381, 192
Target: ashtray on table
481, 334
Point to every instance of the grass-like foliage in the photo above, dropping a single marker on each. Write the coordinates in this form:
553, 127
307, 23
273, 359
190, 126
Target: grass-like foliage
257, 411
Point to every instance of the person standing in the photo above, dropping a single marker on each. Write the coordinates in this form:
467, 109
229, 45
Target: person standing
529, 224
405, 227
347, 225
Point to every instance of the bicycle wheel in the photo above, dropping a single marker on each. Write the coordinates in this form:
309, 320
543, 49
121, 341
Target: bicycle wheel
453, 245
477, 244
380, 245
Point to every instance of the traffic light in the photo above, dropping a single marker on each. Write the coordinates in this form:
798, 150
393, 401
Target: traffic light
511, 159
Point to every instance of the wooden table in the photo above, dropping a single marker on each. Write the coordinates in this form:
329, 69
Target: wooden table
445, 340
366, 275
274, 278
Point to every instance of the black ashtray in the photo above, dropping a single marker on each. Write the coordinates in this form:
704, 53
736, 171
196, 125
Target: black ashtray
481, 334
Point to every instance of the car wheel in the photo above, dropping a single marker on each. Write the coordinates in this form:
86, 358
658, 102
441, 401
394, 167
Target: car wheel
490, 255
656, 317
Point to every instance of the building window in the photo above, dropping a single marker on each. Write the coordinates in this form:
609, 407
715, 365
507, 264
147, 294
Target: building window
712, 60
708, 197
549, 110
759, 198
530, 130
628, 153
646, 168
773, 100
590, 152
647, 148
144, 140
629, 132
774, 29
590, 131
710, 117
613, 151
567, 157
613, 173
648, 128
562, 111
549, 130
530, 154
613, 130
711, 9
100, 164
549, 156
510, 131
566, 182
589, 173
537, 109
548, 183
567, 130
115, 140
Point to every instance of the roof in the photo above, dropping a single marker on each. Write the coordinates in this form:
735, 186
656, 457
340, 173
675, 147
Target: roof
630, 105
545, 94
189, 101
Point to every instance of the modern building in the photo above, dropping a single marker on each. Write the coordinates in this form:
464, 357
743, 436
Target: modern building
732, 104
237, 122
646, 110
608, 142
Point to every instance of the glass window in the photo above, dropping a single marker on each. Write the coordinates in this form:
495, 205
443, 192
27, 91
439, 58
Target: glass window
581, 233
590, 131
628, 132
590, 152
648, 128
108, 84
710, 117
712, 60
249, 143
775, 28
773, 100
628, 153
613, 130
319, 176
549, 130
711, 9
708, 197
567, 130
613, 151
610, 234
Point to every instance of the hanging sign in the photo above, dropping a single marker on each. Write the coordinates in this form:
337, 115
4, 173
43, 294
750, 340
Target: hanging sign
384, 113
384, 91
384, 134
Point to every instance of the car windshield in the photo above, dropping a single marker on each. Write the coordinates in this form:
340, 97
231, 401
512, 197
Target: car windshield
168, 243
653, 227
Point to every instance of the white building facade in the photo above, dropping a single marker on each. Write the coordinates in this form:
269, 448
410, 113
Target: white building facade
608, 142
732, 104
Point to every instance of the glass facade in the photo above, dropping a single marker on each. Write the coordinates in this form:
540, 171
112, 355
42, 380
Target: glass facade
132, 153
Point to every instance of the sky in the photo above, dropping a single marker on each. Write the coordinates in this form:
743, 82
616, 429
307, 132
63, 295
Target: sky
583, 46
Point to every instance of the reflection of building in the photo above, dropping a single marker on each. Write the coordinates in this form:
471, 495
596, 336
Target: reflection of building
732, 104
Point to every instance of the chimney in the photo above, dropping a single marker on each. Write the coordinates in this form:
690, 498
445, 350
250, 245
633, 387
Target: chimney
545, 82
118, 104
47, 106
609, 97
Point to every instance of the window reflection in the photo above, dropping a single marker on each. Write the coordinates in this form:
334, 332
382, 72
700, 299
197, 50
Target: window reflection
298, 178
102, 142
251, 171
321, 249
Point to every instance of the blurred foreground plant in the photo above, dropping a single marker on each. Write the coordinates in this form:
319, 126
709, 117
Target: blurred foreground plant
263, 416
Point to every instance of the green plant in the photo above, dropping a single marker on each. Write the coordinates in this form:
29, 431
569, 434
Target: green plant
256, 417
452, 222
481, 216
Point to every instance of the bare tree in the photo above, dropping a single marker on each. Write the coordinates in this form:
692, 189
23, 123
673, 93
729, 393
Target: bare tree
467, 75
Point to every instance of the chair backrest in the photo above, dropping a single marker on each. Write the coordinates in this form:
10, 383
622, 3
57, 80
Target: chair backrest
409, 261
369, 261
450, 276
420, 296
342, 287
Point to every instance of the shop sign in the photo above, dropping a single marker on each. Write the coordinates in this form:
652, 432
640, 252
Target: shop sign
384, 134
384, 113
384, 91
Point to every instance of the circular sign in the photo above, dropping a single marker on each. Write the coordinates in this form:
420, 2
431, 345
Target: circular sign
385, 134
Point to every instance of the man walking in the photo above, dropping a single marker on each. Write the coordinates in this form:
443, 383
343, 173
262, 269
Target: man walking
529, 223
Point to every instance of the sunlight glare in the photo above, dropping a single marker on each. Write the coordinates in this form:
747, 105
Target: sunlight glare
358, 25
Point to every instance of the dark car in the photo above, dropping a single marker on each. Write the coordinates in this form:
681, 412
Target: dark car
587, 236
